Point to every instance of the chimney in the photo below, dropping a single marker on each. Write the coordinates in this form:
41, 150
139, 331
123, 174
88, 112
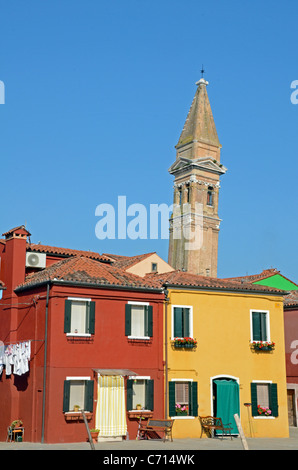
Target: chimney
14, 258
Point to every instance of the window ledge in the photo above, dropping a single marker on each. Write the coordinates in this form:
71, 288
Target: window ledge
80, 335
182, 417
140, 413
77, 415
264, 417
140, 337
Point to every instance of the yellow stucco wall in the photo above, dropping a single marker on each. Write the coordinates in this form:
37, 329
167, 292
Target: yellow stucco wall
221, 325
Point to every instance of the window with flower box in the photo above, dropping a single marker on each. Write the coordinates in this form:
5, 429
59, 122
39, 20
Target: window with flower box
264, 400
78, 391
183, 398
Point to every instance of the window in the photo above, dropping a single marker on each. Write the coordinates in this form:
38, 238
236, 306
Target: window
78, 391
188, 193
264, 398
79, 317
210, 196
140, 391
182, 322
154, 267
183, 393
260, 326
138, 320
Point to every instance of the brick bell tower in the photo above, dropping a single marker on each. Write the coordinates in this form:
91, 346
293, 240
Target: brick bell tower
194, 224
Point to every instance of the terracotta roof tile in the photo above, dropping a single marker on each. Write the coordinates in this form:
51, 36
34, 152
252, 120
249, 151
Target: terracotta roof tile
36, 247
181, 278
255, 277
127, 261
55, 250
84, 270
291, 300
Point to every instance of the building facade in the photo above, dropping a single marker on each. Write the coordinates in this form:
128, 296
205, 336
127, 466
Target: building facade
274, 278
216, 360
95, 334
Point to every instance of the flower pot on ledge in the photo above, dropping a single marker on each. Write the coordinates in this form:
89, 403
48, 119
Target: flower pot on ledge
188, 343
94, 434
263, 345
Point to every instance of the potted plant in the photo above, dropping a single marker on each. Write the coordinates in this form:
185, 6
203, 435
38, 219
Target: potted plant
139, 406
76, 408
17, 423
264, 410
181, 410
185, 342
263, 345
94, 434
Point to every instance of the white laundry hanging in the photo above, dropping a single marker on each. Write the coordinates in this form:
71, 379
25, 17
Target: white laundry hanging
16, 358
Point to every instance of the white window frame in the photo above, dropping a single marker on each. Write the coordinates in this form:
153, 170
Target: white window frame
79, 299
182, 380
190, 319
140, 377
256, 310
74, 379
132, 302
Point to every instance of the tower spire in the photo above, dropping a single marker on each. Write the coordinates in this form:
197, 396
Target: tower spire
197, 170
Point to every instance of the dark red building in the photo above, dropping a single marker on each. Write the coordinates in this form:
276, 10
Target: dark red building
291, 344
95, 338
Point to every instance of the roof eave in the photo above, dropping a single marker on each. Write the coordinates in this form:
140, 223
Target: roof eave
88, 284
226, 289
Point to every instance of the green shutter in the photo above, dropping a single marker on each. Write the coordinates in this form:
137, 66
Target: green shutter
91, 318
178, 333
149, 395
148, 321
129, 385
66, 395
254, 399
172, 400
67, 316
89, 388
263, 322
256, 326
127, 320
273, 401
193, 398
186, 331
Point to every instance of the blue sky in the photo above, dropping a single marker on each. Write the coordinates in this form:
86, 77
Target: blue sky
96, 95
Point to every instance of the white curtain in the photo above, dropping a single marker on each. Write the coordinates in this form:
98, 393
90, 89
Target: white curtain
111, 411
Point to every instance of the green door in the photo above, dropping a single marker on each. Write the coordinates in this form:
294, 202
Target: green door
226, 393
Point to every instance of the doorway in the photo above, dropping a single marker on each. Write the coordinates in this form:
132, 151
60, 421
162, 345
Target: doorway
225, 392
291, 409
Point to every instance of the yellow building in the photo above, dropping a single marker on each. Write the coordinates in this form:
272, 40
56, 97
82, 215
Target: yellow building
223, 374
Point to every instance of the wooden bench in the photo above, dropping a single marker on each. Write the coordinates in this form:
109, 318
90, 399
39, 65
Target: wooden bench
209, 424
153, 427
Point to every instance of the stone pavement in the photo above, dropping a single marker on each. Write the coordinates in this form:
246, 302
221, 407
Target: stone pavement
148, 447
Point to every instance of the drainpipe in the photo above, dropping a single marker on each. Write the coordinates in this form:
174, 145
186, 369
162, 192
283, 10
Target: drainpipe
166, 353
45, 365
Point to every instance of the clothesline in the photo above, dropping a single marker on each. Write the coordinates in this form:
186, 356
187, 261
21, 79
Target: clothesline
22, 341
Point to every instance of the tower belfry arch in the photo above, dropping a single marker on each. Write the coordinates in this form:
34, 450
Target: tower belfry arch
196, 172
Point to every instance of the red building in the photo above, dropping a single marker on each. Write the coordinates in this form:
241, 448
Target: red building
95, 337
291, 343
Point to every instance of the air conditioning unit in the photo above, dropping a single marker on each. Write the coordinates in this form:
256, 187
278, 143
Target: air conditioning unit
35, 260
